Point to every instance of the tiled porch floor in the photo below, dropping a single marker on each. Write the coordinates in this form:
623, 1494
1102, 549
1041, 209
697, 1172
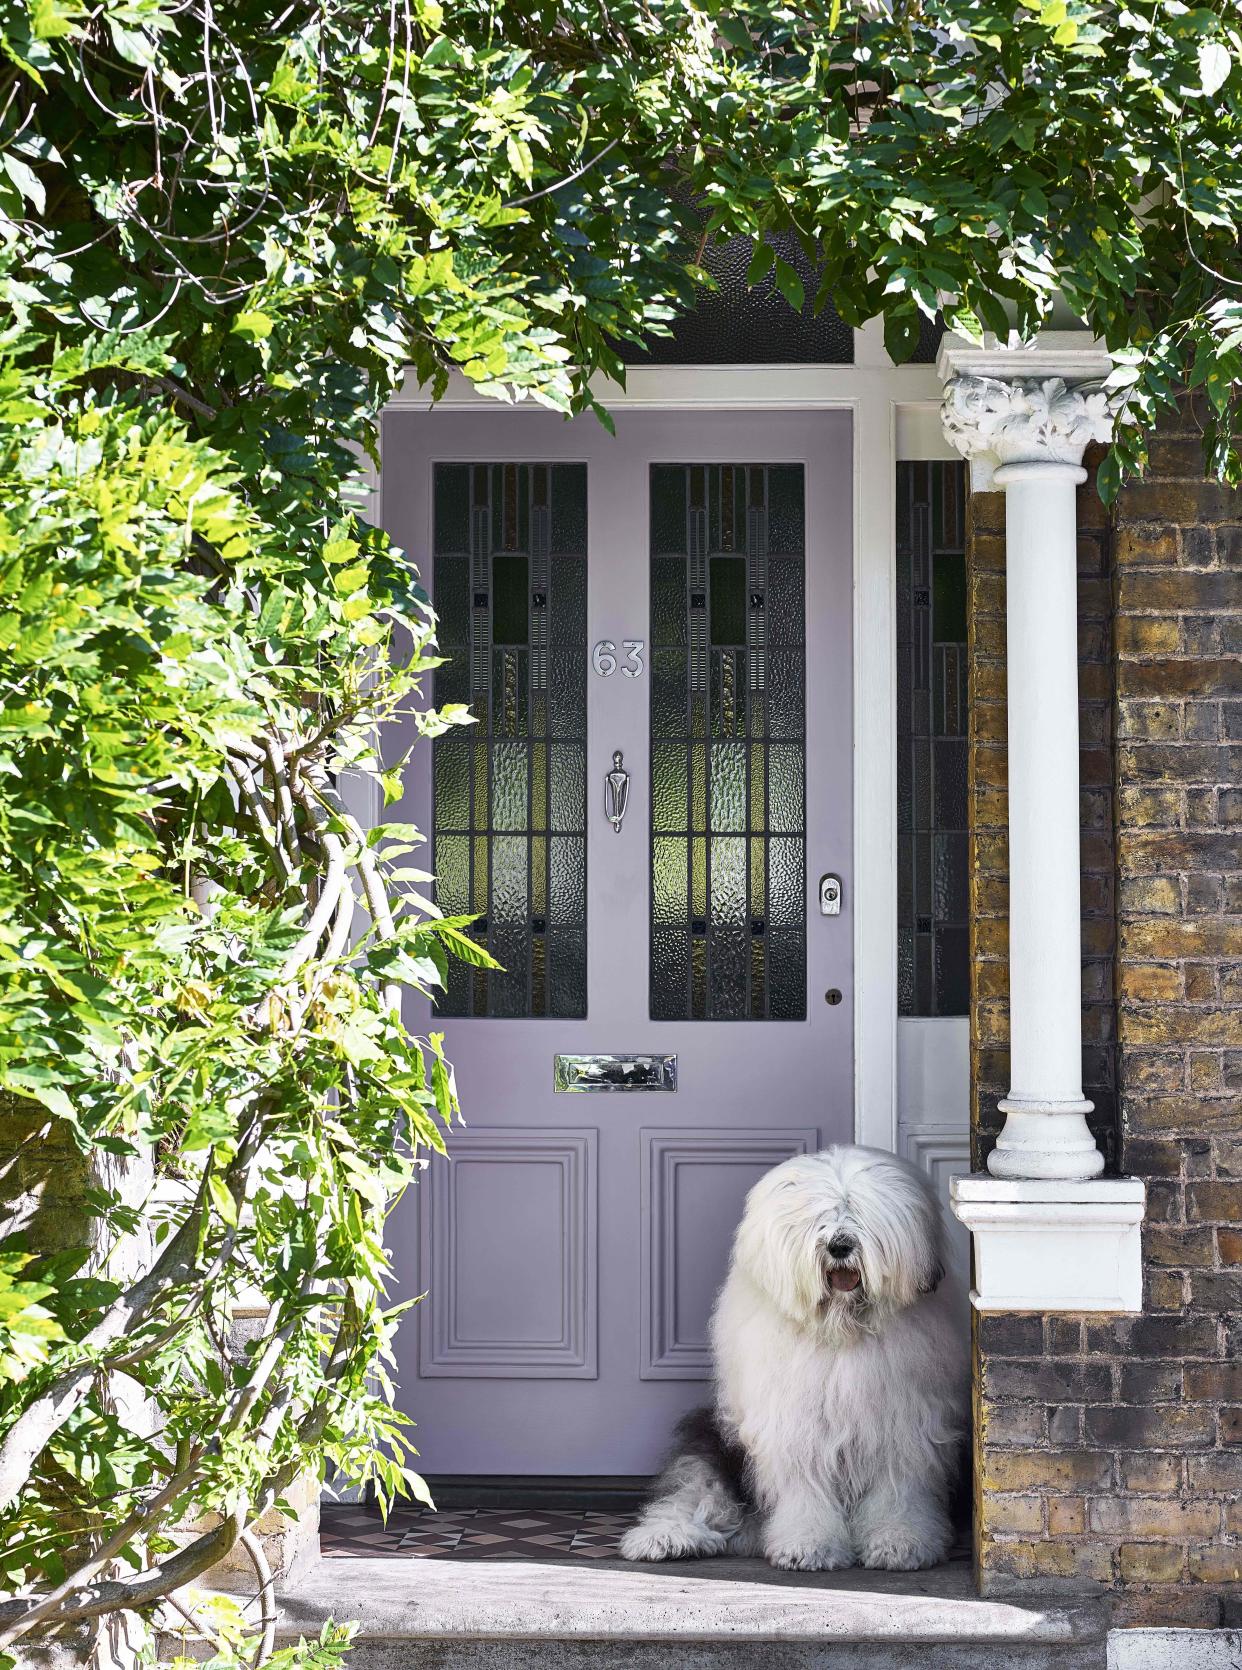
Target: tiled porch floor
470, 1533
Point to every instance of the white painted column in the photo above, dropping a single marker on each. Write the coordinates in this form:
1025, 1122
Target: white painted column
1027, 437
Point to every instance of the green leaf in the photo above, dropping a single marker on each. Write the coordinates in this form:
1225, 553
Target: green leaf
1215, 64
790, 285
222, 1199
901, 336
25, 179
254, 326
1108, 476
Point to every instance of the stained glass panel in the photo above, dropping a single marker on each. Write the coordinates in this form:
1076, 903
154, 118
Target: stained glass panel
932, 950
728, 752
510, 792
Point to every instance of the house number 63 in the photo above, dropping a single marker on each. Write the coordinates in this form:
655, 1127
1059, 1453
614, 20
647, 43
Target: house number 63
604, 657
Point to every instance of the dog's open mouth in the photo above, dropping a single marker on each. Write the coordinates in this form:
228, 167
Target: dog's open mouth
843, 1280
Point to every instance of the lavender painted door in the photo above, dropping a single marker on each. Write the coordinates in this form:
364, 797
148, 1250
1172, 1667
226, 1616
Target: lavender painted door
571, 1247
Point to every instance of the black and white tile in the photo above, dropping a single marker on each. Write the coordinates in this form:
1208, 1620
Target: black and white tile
472, 1533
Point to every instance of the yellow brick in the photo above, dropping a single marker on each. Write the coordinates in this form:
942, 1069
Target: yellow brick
1067, 1516
1151, 1562
1013, 1513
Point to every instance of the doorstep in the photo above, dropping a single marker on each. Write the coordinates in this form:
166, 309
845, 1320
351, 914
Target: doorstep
725, 1614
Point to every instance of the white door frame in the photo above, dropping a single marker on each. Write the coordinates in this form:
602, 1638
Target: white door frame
895, 416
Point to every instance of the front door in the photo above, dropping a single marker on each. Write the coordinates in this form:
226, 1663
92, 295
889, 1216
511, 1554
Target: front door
654, 632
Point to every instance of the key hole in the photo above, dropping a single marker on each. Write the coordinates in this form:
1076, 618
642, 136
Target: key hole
833, 996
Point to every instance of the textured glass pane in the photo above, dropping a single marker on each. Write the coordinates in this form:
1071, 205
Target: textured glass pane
455, 999
453, 684
452, 775
728, 692
728, 772
740, 795
933, 962
568, 787
787, 976
698, 787
728, 861
508, 991
786, 882
568, 600
950, 793
786, 608
786, 809
949, 886
952, 971
668, 693
452, 508
786, 518
508, 881
669, 881
905, 972
514, 626
539, 807
569, 508
738, 323
668, 601
567, 893
786, 694
924, 982
668, 508
670, 972
730, 974
949, 598
453, 874
728, 600
668, 785
510, 692
452, 600
509, 804
567, 955
567, 692
510, 600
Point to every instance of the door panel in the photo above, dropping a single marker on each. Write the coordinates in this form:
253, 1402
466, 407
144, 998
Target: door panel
521, 1317
571, 1248
694, 1185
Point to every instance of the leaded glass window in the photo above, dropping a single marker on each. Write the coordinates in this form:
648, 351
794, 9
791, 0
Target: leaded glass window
509, 824
932, 913
737, 323
728, 742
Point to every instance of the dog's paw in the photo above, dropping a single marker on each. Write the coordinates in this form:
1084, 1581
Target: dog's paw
818, 1557
663, 1542
897, 1550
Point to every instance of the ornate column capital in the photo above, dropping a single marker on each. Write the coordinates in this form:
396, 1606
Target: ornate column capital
1022, 420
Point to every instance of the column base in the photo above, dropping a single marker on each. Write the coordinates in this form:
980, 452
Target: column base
1053, 1246
1046, 1140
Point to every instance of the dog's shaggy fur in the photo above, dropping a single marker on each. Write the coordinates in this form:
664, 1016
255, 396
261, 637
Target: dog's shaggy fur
842, 1386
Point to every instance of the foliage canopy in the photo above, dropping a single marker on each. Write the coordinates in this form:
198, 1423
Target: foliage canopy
225, 232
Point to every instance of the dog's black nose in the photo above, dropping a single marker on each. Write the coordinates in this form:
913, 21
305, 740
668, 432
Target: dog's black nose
841, 1246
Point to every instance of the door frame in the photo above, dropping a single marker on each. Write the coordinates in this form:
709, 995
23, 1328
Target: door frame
895, 415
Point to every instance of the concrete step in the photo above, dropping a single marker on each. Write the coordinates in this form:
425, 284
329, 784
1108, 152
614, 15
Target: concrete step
706, 1615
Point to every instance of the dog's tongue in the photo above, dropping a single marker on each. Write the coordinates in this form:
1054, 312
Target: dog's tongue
844, 1281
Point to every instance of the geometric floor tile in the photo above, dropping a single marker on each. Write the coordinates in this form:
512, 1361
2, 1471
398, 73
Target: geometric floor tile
472, 1533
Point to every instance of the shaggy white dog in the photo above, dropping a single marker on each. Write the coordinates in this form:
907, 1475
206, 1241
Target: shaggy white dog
842, 1386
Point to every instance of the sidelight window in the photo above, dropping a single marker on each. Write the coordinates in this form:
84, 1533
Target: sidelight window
932, 908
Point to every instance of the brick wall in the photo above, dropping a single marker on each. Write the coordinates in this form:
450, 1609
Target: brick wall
1110, 1450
